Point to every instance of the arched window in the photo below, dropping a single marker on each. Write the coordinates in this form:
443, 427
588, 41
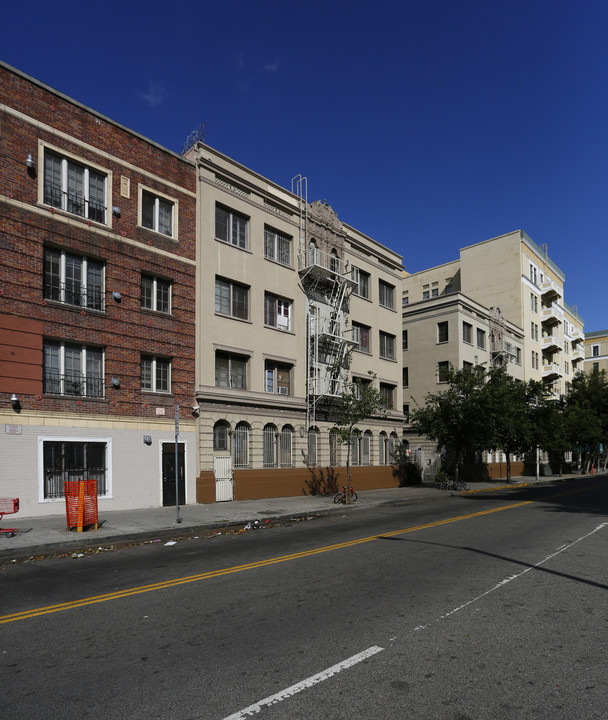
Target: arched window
355, 448
285, 450
313, 434
241, 445
392, 444
382, 449
334, 262
270, 445
220, 436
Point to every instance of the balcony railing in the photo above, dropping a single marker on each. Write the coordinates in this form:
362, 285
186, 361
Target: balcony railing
73, 384
74, 294
551, 344
551, 371
74, 203
552, 315
550, 289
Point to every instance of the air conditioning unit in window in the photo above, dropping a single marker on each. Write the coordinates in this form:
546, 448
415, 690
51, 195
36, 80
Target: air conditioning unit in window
282, 390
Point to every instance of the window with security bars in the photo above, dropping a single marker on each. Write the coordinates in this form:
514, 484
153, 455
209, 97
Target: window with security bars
74, 187
155, 294
277, 246
285, 447
231, 227
333, 448
241, 445
64, 460
73, 279
383, 449
72, 369
313, 436
155, 374
269, 445
231, 299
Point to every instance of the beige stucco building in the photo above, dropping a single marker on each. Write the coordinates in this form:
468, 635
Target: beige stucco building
292, 304
596, 351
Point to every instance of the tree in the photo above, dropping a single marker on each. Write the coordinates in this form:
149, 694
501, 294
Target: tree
455, 418
586, 410
358, 401
509, 411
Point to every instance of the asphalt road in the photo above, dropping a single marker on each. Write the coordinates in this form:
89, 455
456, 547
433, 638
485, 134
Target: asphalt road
481, 606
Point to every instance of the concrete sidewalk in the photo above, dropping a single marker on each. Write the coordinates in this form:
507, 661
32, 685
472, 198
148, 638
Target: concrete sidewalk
49, 535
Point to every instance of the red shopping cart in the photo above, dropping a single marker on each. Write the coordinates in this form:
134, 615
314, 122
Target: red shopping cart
8, 506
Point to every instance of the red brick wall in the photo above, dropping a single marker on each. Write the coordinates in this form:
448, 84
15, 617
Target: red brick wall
124, 329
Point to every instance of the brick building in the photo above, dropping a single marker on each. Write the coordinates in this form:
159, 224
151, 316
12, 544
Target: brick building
97, 305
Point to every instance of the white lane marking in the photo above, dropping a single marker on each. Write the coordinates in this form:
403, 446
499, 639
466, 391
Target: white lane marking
309, 682
518, 575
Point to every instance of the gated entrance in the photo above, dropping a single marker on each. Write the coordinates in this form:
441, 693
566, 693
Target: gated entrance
222, 469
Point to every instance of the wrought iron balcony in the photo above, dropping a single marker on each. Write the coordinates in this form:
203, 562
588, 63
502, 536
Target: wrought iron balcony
74, 294
73, 384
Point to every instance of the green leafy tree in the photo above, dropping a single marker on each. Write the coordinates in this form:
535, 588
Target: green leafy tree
586, 412
358, 401
455, 418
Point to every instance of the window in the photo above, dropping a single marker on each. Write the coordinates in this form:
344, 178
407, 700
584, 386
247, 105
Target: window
406, 376
383, 449
566, 367
404, 339
241, 445
534, 331
155, 294
75, 188
595, 351
442, 332
333, 448
71, 369
434, 292
73, 279
157, 213
277, 312
155, 374
230, 370
467, 333
443, 371
387, 393
220, 436
366, 446
596, 367
533, 302
405, 301
362, 279
313, 435
449, 288
231, 299
386, 295
269, 445
277, 378
361, 337
285, 446
277, 246
406, 412
231, 227
518, 355
481, 338
425, 295
64, 460
387, 346
534, 360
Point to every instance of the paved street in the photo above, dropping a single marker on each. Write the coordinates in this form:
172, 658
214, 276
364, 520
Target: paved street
489, 605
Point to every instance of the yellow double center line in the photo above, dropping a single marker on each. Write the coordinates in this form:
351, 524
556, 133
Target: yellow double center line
36, 612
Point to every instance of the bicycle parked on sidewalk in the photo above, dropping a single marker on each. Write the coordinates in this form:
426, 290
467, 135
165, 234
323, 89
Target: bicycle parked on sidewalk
341, 496
446, 483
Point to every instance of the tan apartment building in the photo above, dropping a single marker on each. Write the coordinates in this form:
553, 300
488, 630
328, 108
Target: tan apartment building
292, 304
503, 299
596, 351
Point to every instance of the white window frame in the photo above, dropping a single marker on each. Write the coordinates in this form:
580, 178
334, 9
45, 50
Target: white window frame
68, 159
156, 285
60, 293
60, 370
73, 439
154, 361
362, 280
158, 198
277, 312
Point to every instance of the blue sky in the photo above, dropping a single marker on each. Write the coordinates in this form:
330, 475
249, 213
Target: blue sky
429, 125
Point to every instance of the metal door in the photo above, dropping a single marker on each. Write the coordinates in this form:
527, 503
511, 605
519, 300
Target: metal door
169, 474
222, 469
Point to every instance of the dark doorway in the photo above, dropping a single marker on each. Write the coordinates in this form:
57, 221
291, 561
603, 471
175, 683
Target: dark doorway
169, 474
